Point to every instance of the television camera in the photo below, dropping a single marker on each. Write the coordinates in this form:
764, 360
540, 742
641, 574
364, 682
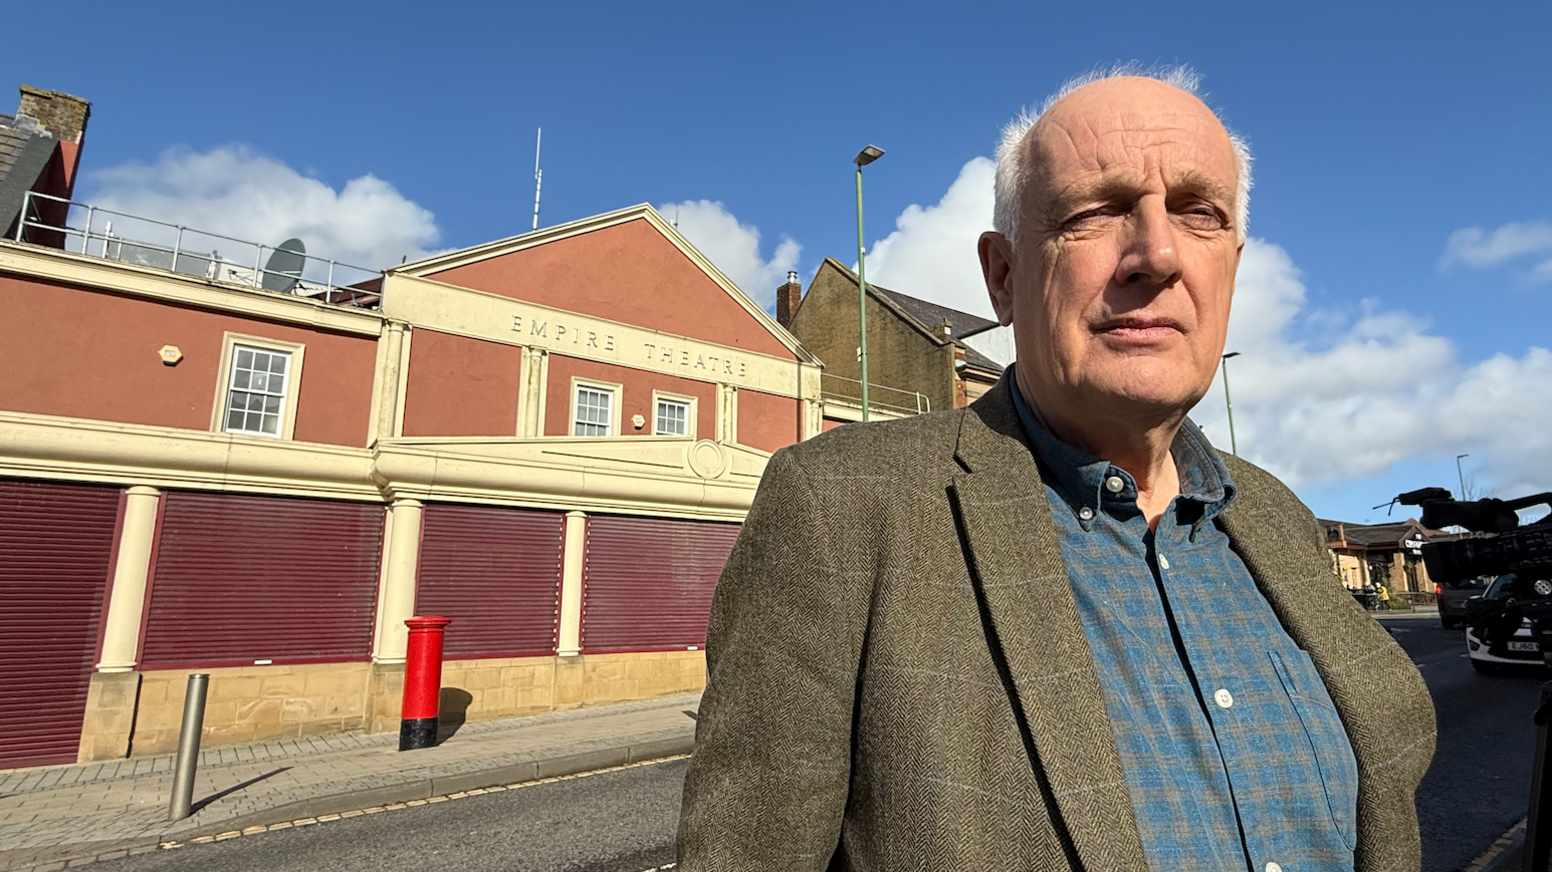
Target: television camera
1500, 547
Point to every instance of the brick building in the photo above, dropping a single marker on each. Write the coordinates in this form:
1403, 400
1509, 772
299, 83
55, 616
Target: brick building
550, 439
921, 356
1376, 554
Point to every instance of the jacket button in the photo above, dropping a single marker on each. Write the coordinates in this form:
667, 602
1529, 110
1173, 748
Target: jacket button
1086, 513
1224, 699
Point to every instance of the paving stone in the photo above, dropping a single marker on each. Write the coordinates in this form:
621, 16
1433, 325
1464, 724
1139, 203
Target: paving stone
92, 809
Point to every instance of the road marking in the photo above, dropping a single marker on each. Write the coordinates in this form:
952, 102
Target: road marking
1503, 843
417, 803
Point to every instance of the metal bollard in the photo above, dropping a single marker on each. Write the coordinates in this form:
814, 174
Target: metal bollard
187, 761
422, 682
1538, 826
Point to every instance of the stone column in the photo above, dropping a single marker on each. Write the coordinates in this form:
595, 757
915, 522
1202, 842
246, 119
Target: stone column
126, 603
571, 584
530, 401
390, 374
397, 600
727, 414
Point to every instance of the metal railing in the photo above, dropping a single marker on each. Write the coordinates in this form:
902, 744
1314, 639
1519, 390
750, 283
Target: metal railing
894, 399
188, 251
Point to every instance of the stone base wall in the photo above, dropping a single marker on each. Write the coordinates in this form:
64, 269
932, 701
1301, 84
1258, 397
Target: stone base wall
254, 703
139, 713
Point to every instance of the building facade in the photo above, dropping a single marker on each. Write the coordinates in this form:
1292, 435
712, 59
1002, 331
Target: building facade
920, 355
1376, 554
550, 439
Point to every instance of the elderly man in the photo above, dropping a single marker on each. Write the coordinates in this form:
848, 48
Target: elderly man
1057, 630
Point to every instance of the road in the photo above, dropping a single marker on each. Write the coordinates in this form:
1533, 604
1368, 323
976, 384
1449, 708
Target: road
623, 821
1479, 783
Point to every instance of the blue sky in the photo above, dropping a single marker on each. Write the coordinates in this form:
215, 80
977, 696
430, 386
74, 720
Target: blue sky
1380, 132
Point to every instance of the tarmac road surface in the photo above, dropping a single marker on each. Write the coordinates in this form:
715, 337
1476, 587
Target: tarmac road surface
623, 820
1479, 784
619, 821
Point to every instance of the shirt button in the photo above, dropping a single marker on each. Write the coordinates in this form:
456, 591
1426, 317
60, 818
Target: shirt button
1086, 513
1114, 484
1273, 867
1224, 699
1163, 562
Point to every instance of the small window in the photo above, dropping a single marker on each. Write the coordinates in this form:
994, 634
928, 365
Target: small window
673, 418
594, 412
256, 391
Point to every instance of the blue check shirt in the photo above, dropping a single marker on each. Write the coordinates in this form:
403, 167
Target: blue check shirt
1233, 753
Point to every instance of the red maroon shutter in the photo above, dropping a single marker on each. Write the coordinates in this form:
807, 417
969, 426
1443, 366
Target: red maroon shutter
649, 582
242, 578
496, 573
56, 541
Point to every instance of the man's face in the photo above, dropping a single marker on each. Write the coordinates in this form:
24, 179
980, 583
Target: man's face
1120, 285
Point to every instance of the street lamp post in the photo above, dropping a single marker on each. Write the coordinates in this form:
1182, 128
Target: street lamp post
1233, 443
1461, 474
863, 158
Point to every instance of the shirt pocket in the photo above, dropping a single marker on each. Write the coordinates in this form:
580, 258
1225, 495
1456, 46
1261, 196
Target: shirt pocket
1329, 745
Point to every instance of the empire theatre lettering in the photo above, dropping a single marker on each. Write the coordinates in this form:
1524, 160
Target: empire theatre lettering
555, 334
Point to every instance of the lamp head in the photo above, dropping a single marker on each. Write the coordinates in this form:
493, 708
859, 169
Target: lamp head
1231, 354
867, 156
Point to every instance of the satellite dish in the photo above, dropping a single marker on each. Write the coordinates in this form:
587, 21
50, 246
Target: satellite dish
285, 266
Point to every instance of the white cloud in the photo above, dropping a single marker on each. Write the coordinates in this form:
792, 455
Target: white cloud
734, 247
237, 192
1476, 247
931, 253
1381, 389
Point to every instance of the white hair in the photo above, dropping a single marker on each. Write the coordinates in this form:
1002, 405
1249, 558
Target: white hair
1013, 172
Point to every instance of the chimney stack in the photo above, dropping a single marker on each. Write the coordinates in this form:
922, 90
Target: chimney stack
788, 296
57, 112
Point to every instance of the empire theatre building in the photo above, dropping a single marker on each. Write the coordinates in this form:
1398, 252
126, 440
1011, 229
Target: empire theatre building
239, 462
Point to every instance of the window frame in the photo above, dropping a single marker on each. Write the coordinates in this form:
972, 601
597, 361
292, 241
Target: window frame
614, 390
229, 344
689, 414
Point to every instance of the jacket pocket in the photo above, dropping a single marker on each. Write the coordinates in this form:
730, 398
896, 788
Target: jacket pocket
1329, 744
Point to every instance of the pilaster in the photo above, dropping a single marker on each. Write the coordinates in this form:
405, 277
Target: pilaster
572, 562
126, 602
396, 598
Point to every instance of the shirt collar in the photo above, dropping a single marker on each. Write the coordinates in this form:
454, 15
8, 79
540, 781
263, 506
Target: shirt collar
1080, 478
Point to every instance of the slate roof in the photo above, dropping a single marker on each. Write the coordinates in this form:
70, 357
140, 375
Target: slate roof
1379, 534
926, 317
24, 154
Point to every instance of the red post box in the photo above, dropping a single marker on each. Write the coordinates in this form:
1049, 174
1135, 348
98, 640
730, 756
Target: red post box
422, 682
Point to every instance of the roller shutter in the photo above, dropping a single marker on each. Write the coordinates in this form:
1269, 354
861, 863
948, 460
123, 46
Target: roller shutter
240, 579
648, 582
496, 573
56, 543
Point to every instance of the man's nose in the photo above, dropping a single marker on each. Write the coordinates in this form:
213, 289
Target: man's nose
1149, 256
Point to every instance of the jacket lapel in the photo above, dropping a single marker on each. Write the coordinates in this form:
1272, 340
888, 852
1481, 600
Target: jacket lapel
1034, 630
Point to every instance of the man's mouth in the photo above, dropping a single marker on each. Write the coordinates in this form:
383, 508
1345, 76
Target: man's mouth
1139, 328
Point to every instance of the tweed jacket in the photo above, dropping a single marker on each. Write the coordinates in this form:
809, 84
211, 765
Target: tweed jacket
898, 679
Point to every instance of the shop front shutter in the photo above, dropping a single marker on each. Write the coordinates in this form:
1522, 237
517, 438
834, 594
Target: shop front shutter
649, 582
56, 543
241, 579
496, 573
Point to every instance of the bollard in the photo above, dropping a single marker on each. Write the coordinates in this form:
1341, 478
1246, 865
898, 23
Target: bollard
182, 803
422, 682
1538, 826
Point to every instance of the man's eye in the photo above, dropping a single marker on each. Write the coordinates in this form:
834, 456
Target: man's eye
1089, 217
1203, 217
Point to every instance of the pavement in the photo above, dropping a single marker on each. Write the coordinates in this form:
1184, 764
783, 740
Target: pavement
58, 816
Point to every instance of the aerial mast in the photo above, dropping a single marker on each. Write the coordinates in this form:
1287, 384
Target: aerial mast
538, 176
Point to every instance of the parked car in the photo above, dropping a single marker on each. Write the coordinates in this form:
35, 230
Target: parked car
1519, 649
1452, 599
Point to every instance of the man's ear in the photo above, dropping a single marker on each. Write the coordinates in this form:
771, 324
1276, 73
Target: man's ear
997, 268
